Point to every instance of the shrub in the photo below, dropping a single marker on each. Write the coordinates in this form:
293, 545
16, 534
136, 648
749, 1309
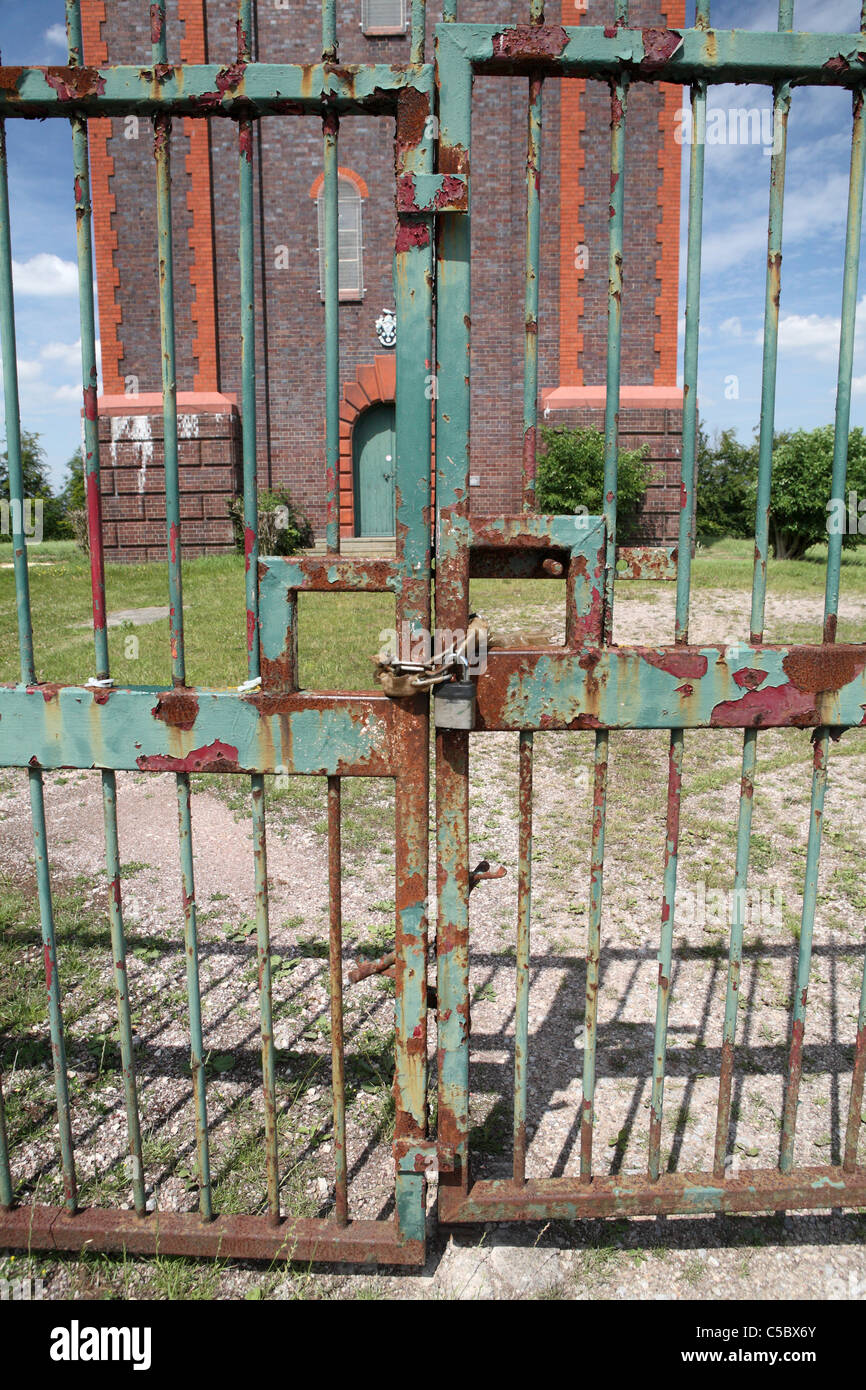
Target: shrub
283, 529
800, 490
570, 475
725, 498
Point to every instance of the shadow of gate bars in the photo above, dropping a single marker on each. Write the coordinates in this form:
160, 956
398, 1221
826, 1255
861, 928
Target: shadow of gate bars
270, 725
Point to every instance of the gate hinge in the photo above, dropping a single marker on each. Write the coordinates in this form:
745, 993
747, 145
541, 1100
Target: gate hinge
423, 1156
433, 193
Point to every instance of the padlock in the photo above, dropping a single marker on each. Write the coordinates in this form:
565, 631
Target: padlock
454, 705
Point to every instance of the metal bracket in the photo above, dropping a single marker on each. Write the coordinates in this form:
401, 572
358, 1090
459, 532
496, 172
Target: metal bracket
432, 193
423, 1156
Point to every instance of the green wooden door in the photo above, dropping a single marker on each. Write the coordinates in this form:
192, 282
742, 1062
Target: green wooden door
375, 460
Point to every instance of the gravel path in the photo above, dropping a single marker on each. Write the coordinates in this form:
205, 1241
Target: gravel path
808, 1255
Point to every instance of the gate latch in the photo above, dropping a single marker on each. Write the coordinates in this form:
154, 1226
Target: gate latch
400, 676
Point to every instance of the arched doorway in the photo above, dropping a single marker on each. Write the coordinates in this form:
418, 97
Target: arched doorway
374, 464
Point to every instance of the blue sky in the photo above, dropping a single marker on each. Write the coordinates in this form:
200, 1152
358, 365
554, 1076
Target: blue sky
735, 232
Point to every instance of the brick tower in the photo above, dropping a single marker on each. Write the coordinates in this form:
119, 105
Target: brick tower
290, 310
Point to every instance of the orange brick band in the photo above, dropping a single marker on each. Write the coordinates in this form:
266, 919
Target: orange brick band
668, 230
200, 238
572, 232
104, 235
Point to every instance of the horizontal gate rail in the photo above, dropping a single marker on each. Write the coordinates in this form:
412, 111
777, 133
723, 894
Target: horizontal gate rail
625, 1194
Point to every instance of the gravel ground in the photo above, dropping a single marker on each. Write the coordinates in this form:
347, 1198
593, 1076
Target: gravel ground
799, 1255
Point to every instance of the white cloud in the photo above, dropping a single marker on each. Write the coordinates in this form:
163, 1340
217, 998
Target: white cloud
68, 355
29, 371
858, 386
56, 35
818, 334
731, 328
68, 393
45, 276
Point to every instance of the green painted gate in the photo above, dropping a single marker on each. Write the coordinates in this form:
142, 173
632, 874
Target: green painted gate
272, 725
374, 457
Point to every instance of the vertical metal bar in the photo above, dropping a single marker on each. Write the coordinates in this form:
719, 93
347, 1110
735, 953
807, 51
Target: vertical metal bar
672, 832
618, 102
89, 375
453, 289
687, 488
524, 917
28, 676
194, 995
414, 141
162, 155
263, 952
413, 297
821, 736
335, 952
330, 133
781, 108
329, 31
5, 1174
410, 948
13, 428
251, 562
121, 988
858, 1077
417, 31
593, 951
530, 309
74, 41
331, 129
52, 985
248, 351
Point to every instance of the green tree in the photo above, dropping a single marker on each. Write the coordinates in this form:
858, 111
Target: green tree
73, 495
725, 497
570, 474
37, 484
800, 490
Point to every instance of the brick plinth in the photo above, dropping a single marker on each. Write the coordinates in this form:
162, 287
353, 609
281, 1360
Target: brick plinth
132, 465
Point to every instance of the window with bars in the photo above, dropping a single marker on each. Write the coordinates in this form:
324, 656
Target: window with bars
383, 16
350, 240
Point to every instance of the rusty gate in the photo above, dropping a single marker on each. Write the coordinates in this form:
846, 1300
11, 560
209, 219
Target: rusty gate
271, 724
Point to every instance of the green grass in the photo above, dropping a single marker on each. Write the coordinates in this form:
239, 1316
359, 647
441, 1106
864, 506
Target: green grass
727, 564
339, 634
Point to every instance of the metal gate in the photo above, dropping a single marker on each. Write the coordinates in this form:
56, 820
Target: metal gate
272, 725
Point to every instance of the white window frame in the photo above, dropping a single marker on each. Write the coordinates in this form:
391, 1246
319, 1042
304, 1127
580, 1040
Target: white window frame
377, 30
347, 192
